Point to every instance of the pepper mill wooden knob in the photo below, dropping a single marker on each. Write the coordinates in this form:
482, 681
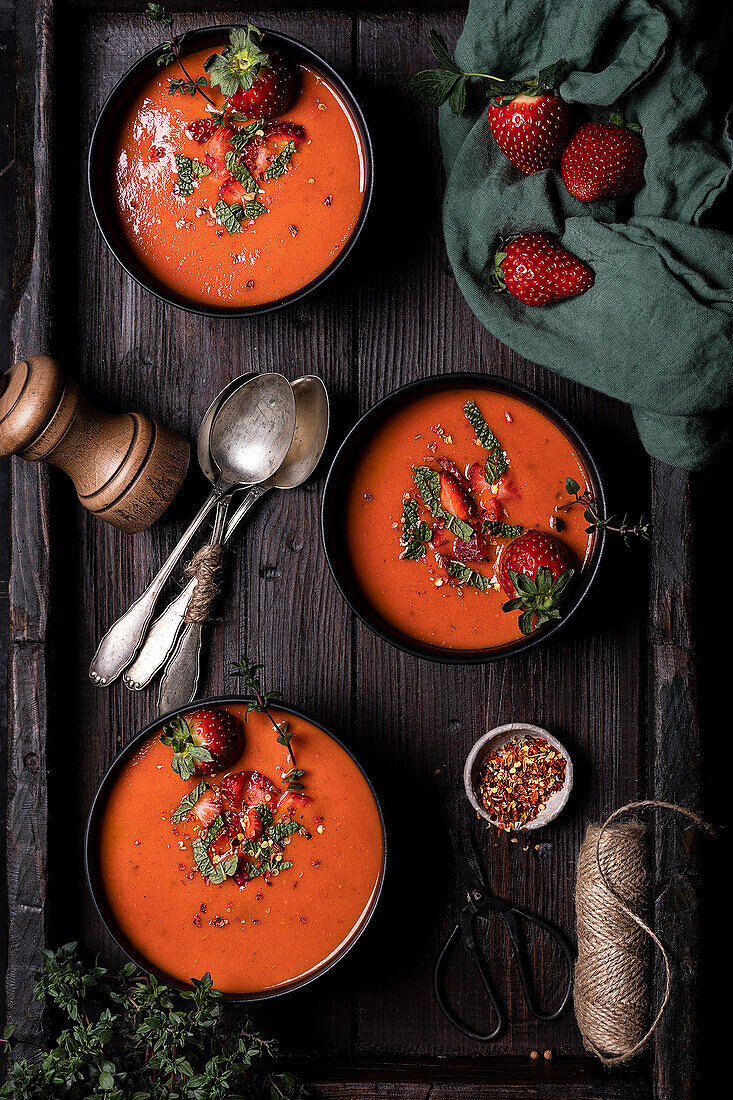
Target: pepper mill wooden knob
126, 468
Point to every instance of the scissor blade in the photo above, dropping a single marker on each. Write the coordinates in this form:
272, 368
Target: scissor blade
470, 871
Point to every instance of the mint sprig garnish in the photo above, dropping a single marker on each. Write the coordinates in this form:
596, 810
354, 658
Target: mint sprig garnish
502, 530
170, 52
427, 482
449, 81
188, 171
266, 853
188, 802
466, 575
251, 684
538, 598
237, 167
279, 165
238, 63
496, 463
617, 525
232, 216
415, 532
177, 735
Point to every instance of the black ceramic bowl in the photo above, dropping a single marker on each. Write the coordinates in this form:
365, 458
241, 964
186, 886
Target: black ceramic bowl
99, 169
92, 868
332, 518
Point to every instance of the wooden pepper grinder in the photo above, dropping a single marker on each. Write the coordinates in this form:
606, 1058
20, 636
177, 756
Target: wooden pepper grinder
126, 468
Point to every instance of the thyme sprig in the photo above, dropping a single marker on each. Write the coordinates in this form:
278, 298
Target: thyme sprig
617, 525
171, 52
128, 1036
252, 685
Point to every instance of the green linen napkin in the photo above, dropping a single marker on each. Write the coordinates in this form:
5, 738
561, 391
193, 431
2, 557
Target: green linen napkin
656, 328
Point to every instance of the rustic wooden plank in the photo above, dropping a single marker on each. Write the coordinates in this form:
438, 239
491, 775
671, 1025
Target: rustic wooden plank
674, 777
28, 589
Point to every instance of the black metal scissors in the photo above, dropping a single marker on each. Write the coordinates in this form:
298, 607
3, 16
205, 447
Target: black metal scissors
481, 904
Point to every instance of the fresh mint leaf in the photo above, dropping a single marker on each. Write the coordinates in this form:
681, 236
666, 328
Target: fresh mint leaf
465, 575
253, 208
279, 164
496, 463
427, 482
414, 551
503, 530
229, 215
240, 171
189, 801
188, 170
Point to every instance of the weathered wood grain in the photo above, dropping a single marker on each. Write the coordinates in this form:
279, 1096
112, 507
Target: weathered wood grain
392, 314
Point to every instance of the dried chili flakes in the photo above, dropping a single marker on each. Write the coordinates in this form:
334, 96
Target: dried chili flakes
517, 780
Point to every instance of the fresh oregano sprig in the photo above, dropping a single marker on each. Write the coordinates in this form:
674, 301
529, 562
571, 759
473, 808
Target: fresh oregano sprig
171, 51
126, 1035
618, 525
251, 683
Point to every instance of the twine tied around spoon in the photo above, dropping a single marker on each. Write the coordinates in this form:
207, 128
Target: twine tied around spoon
206, 566
613, 889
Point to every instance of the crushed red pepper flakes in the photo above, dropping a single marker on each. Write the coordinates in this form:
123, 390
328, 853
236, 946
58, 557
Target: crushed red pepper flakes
518, 778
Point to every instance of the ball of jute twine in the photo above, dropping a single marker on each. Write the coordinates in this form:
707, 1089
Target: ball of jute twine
612, 991
206, 566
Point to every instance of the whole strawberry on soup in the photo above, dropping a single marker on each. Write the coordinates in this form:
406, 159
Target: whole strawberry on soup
604, 160
204, 741
535, 570
537, 270
257, 81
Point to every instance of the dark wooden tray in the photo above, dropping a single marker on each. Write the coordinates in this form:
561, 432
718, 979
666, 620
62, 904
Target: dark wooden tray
618, 687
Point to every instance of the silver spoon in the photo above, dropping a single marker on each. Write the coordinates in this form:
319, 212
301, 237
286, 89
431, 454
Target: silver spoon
180, 679
158, 642
250, 436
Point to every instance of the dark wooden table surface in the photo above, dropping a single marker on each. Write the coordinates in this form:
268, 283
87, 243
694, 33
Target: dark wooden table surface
394, 314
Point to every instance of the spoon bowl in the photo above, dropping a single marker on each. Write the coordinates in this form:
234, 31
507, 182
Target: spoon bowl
203, 441
252, 432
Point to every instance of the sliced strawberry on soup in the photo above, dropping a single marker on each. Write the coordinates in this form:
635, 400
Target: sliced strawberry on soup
259, 790
469, 551
453, 498
477, 479
232, 786
226, 843
493, 509
252, 824
289, 131
202, 129
241, 875
294, 798
208, 807
259, 152
232, 191
204, 741
441, 539
507, 489
216, 150
449, 466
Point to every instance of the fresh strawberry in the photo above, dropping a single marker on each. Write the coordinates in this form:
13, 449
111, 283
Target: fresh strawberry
294, 798
536, 270
482, 492
226, 843
454, 499
259, 152
202, 129
259, 790
493, 510
203, 741
477, 479
252, 824
506, 488
532, 125
289, 131
232, 191
257, 82
534, 570
604, 160
216, 150
441, 539
467, 552
241, 875
208, 806
450, 467
232, 787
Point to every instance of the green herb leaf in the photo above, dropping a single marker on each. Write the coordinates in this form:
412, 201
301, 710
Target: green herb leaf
253, 208
496, 463
239, 62
414, 551
571, 486
433, 86
279, 165
157, 14
242, 137
189, 801
240, 171
229, 216
465, 575
177, 735
187, 170
502, 530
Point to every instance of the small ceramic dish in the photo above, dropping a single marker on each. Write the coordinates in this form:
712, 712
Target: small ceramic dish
494, 739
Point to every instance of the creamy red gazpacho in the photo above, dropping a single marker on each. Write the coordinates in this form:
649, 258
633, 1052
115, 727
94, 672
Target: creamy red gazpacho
448, 489
231, 872
231, 210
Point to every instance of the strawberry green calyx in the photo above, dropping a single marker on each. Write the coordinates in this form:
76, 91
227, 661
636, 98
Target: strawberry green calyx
617, 119
547, 82
186, 754
498, 281
238, 63
538, 599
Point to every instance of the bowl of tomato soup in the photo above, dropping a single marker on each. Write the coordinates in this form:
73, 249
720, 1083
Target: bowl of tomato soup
441, 493
164, 199
173, 886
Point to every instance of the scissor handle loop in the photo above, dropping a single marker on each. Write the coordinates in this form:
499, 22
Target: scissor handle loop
465, 928
510, 912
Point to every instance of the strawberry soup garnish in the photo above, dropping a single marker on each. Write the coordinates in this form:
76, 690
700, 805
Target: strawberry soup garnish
604, 160
537, 270
257, 81
208, 807
203, 741
217, 147
529, 120
202, 129
453, 498
535, 570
